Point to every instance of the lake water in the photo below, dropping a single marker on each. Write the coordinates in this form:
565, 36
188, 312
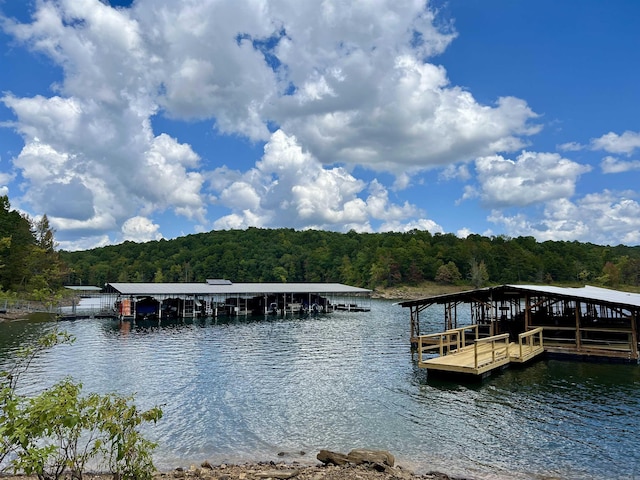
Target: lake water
247, 389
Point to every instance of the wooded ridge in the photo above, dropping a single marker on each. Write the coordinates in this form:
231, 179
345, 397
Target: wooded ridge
30, 262
361, 259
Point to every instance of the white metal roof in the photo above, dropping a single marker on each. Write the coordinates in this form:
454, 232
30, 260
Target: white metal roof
233, 288
83, 288
587, 292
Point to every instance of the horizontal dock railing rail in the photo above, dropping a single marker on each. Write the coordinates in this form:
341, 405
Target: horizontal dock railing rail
499, 350
444, 341
530, 343
478, 357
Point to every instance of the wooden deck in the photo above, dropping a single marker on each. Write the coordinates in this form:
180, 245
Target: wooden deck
480, 356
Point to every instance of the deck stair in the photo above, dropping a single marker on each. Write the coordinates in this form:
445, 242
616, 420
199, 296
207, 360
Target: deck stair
460, 351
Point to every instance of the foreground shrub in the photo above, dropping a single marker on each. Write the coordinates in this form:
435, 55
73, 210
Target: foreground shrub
60, 431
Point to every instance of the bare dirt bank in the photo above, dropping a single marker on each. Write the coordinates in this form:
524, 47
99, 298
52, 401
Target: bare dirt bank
414, 292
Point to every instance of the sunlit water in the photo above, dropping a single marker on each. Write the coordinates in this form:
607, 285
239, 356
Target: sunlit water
247, 389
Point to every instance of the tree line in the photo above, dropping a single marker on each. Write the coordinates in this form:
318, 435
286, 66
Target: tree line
30, 261
361, 259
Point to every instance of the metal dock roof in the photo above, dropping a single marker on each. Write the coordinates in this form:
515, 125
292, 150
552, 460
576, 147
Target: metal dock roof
588, 292
215, 288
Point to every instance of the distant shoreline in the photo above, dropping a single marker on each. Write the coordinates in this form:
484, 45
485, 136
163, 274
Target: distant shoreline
423, 290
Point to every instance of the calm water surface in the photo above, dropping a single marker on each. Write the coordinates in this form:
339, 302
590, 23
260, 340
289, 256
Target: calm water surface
237, 390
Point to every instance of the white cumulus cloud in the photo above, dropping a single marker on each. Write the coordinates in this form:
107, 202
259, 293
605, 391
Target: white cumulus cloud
533, 177
615, 165
605, 218
140, 229
290, 187
330, 88
626, 143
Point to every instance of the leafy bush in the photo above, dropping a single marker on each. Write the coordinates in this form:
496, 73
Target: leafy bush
60, 431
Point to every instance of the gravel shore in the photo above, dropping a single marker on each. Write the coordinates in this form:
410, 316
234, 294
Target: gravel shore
274, 471
298, 472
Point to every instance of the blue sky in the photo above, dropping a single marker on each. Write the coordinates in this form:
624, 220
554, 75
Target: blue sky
160, 118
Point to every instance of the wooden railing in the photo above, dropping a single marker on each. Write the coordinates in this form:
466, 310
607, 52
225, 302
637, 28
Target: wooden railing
444, 341
531, 340
499, 350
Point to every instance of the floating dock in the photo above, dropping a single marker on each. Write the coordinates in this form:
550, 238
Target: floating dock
456, 353
584, 323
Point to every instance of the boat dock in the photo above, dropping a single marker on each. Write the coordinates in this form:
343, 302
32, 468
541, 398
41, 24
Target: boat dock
456, 353
168, 301
516, 323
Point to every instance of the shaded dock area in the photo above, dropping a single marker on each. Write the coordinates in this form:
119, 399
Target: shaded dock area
220, 297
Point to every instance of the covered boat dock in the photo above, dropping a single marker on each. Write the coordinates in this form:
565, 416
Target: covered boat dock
515, 323
157, 301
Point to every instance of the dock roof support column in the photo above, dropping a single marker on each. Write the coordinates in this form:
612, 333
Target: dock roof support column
415, 323
578, 334
634, 334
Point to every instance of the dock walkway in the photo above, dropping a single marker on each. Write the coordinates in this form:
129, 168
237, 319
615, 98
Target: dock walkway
457, 353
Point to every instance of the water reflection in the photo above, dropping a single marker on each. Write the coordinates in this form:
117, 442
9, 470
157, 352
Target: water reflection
246, 388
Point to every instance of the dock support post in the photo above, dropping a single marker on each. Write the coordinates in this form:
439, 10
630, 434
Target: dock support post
578, 333
415, 321
634, 335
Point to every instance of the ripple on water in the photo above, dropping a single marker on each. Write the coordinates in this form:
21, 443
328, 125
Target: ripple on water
245, 389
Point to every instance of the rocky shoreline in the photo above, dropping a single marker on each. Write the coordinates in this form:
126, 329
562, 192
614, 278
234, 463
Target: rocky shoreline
358, 464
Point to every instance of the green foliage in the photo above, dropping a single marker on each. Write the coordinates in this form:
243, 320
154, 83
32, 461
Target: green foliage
478, 273
127, 451
60, 431
360, 259
28, 260
448, 273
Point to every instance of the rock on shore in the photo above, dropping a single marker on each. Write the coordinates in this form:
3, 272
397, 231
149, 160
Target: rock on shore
358, 464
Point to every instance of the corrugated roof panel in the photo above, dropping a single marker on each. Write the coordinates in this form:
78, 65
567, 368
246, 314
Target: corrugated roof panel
587, 292
233, 288
597, 294
162, 288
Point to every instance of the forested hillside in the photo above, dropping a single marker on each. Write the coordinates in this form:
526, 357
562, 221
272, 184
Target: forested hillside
360, 259
30, 263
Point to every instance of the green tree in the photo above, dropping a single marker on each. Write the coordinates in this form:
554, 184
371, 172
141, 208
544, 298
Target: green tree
158, 277
448, 273
478, 273
44, 234
59, 431
360, 259
610, 275
17, 242
280, 274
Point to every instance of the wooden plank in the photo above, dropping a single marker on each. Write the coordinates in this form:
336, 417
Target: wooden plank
486, 355
464, 360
